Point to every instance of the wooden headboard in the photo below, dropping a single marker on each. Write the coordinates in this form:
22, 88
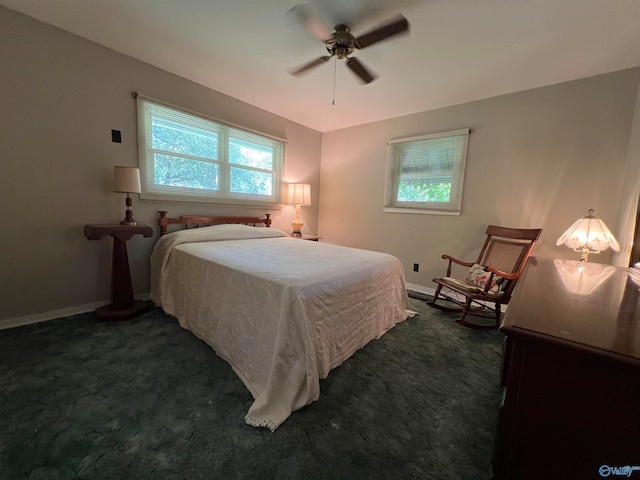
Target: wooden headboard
195, 221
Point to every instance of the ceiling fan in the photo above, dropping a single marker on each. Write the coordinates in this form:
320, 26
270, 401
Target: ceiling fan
341, 43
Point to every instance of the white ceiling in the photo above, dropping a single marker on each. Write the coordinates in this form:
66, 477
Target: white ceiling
457, 50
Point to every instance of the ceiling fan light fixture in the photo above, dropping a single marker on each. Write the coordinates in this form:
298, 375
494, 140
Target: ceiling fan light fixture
342, 43
341, 52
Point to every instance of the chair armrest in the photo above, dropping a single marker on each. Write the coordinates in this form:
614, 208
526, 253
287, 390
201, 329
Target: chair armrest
505, 275
455, 260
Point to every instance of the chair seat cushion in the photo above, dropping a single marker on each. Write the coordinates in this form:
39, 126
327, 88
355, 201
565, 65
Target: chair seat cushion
494, 292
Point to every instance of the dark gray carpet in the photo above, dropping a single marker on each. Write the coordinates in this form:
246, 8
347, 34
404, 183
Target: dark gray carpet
145, 399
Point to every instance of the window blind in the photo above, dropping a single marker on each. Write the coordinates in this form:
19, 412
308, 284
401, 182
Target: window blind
188, 157
426, 173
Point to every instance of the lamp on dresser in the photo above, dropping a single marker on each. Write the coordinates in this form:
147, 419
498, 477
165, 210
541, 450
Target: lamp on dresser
588, 235
127, 180
298, 194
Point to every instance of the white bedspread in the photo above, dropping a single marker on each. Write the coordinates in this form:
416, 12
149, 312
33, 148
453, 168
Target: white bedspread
281, 311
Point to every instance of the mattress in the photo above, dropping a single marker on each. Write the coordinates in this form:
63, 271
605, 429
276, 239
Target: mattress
281, 311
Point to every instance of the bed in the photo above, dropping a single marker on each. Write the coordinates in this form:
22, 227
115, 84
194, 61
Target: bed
281, 311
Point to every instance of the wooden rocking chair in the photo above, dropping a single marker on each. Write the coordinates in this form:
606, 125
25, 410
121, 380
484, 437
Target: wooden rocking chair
492, 277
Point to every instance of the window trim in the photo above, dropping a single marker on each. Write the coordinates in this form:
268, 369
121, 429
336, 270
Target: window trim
223, 197
453, 207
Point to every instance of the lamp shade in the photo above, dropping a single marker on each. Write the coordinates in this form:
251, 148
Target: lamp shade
589, 233
126, 179
299, 193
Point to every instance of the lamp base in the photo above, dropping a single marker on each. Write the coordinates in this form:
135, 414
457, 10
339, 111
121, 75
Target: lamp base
296, 226
128, 214
584, 254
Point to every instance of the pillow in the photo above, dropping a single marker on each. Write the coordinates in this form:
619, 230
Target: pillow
227, 231
211, 233
478, 277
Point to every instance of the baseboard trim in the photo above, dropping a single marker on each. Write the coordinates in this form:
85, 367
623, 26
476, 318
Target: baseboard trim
53, 314
421, 289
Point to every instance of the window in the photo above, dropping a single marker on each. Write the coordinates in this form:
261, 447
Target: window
426, 173
187, 157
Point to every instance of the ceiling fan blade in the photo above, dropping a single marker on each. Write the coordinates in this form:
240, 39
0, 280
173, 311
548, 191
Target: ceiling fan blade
308, 66
394, 27
356, 67
303, 14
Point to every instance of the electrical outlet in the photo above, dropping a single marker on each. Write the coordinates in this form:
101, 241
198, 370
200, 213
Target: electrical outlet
416, 267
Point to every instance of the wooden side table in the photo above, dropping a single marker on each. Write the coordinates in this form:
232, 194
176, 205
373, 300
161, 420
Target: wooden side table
122, 306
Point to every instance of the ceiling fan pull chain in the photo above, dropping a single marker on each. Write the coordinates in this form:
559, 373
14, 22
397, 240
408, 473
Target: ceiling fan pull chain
335, 68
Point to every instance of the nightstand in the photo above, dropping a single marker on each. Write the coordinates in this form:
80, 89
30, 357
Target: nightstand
122, 306
311, 238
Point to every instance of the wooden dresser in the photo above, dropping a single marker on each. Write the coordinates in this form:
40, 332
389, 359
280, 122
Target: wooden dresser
570, 374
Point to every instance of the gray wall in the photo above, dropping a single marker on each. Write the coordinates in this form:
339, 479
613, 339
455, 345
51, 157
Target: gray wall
61, 97
630, 193
538, 158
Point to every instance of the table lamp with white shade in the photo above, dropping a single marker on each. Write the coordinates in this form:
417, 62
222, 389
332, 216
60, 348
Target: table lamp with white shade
127, 180
588, 235
298, 194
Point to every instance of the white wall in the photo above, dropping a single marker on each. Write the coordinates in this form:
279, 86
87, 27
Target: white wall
61, 97
538, 158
